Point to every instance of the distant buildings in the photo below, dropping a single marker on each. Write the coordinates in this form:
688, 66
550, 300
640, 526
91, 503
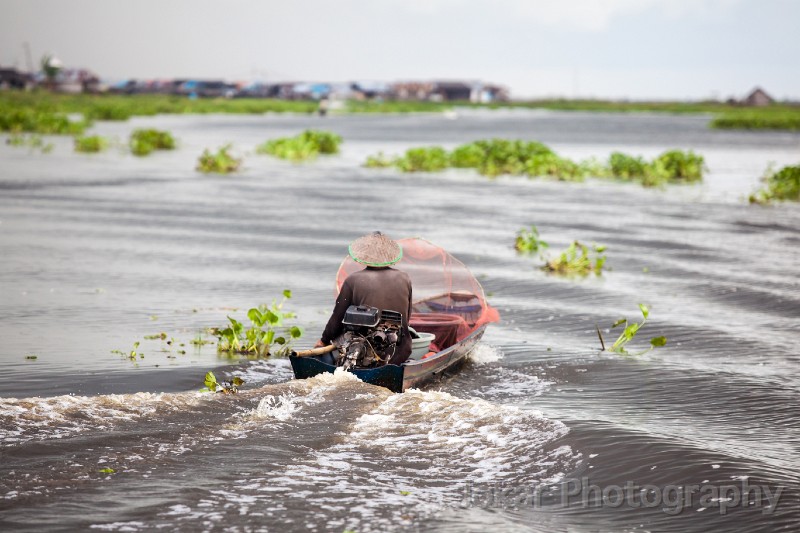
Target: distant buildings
758, 98
83, 80
449, 91
11, 78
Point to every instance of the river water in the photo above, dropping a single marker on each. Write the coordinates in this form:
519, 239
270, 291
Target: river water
539, 432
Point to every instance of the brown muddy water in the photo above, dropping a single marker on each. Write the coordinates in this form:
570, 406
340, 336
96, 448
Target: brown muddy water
538, 432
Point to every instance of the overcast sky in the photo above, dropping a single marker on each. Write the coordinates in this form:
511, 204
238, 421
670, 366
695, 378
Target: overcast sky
575, 48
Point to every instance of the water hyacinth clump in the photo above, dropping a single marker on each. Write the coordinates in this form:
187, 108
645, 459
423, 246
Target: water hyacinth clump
90, 143
221, 162
529, 242
626, 167
495, 157
682, 166
308, 145
578, 260
781, 185
32, 142
431, 159
672, 166
267, 334
379, 161
146, 141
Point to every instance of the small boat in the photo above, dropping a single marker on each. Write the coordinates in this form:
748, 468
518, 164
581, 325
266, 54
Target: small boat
449, 316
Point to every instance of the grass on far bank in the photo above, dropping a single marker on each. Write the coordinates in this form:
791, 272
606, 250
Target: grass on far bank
45, 112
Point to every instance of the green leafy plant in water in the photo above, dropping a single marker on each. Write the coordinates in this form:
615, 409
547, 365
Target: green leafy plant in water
132, 354
672, 166
308, 145
577, 260
106, 470
552, 165
432, 159
200, 341
681, 166
627, 167
629, 332
90, 143
32, 142
226, 387
492, 157
144, 141
221, 162
528, 241
264, 333
781, 185
379, 161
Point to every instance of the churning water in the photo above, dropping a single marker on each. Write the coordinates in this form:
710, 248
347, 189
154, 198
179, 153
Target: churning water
538, 432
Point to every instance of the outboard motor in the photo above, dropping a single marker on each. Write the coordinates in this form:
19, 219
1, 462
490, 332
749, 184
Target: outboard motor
370, 336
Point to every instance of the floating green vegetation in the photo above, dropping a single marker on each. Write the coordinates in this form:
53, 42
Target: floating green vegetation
199, 341
106, 470
627, 167
132, 354
767, 118
672, 166
226, 387
528, 241
681, 166
32, 142
266, 335
90, 143
578, 260
162, 336
221, 162
146, 141
308, 145
432, 159
781, 185
494, 157
31, 357
379, 161
628, 334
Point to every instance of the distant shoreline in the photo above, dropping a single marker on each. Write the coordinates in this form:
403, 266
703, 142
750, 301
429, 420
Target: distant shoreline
45, 112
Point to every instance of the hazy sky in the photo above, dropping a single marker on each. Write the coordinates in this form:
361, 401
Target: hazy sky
587, 48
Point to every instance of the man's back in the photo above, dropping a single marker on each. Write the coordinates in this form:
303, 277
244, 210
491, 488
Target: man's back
384, 288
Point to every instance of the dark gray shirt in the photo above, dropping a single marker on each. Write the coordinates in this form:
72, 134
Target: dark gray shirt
384, 288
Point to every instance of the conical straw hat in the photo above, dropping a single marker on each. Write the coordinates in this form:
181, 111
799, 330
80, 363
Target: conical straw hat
376, 250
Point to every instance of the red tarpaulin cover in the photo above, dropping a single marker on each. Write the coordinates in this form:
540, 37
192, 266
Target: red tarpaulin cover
447, 299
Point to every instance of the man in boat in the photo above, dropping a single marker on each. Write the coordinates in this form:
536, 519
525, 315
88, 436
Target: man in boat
378, 285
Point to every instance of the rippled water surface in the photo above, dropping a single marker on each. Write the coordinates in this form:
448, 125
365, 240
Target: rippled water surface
99, 251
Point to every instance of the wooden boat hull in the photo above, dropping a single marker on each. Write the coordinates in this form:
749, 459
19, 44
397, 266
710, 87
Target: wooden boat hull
412, 374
